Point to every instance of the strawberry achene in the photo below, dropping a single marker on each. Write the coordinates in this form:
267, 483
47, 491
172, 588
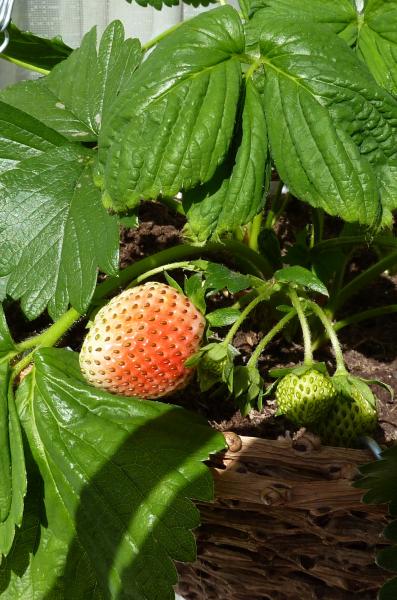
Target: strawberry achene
139, 342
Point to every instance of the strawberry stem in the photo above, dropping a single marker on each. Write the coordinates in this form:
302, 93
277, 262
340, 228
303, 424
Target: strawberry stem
263, 295
269, 336
318, 311
307, 338
188, 266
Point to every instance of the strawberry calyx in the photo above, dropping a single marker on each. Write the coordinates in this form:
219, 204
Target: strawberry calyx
215, 363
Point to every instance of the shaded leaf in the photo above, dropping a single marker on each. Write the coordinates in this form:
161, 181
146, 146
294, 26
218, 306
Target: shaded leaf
12, 466
117, 473
29, 49
219, 277
302, 277
173, 127
238, 196
6, 342
389, 590
22, 136
76, 96
55, 232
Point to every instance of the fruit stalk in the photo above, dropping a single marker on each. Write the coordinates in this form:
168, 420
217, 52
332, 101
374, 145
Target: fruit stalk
307, 338
340, 363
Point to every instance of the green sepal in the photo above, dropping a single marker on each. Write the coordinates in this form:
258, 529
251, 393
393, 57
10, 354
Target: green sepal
215, 364
247, 388
195, 290
299, 369
349, 385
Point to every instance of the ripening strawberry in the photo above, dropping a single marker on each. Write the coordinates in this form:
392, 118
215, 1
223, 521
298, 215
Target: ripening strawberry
139, 342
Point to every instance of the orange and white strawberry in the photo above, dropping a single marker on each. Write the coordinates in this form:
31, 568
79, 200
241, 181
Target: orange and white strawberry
139, 342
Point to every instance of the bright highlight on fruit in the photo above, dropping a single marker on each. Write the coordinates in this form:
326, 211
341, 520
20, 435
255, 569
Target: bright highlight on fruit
139, 342
305, 398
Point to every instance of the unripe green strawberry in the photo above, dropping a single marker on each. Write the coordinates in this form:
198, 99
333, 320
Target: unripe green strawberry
305, 398
350, 417
139, 342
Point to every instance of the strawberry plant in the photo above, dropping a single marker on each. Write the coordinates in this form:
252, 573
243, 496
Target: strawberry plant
228, 119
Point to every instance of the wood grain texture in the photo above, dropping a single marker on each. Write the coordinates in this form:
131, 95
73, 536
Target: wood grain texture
286, 524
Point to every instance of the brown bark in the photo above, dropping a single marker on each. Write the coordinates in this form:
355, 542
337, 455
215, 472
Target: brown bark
287, 524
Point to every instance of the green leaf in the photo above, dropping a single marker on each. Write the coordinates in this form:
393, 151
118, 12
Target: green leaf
315, 89
302, 277
173, 127
239, 195
389, 590
195, 291
339, 15
22, 136
158, 4
223, 316
12, 466
6, 342
117, 475
219, 277
24, 48
55, 232
35, 560
377, 42
77, 95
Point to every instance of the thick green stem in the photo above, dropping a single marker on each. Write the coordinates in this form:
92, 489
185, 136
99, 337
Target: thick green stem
187, 266
239, 251
161, 36
307, 338
47, 339
50, 337
276, 201
254, 231
24, 65
249, 308
356, 318
360, 282
269, 336
318, 311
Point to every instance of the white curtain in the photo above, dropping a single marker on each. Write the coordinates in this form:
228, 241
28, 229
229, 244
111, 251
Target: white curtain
70, 19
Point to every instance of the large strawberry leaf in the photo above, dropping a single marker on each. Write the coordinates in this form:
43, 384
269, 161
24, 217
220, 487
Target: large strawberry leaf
117, 476
54, 232
380, 481
25, 48
74, 98
377, 41
332, 129
173, 127
22, 137
240, 195
339, 15
12, 465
